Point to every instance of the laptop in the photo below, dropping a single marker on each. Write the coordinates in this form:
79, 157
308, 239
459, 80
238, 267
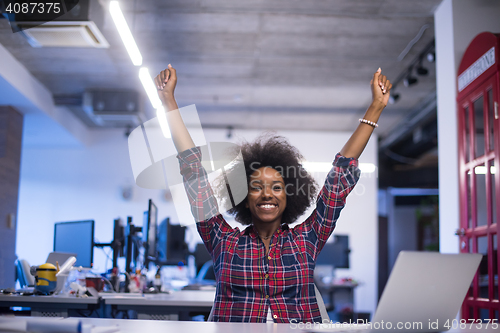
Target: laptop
59, 257
423, 294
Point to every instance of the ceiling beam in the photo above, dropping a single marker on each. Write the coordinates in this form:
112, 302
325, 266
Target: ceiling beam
21, 90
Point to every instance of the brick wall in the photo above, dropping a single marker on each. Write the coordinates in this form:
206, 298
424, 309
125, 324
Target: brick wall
11, 129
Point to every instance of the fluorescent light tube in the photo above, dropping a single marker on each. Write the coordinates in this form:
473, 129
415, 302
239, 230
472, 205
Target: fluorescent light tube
149, 86
152, 93
125, 34
162, 119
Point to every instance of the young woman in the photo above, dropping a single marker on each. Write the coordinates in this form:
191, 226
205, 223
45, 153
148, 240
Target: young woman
265, 272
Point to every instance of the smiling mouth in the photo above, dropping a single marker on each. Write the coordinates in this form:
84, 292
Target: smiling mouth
267, 206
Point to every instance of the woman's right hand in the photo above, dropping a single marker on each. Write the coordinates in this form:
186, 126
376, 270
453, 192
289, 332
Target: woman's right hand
165, 83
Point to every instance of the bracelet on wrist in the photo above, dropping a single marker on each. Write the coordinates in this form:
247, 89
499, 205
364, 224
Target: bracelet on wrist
368, 122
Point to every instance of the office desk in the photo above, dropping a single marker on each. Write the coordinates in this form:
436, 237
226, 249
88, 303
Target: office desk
138, 326
50, 306
173, 306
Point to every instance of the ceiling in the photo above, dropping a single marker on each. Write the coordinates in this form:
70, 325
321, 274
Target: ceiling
253, 64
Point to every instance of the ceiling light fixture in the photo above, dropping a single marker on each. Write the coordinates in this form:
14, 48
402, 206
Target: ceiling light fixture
431, 57
149, 86
421, 70
410, 80
125, 34
393, 98
151, 91
406, 77
161, 114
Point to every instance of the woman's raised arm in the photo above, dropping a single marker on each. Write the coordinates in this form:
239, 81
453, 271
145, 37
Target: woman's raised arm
381, 88
165, 83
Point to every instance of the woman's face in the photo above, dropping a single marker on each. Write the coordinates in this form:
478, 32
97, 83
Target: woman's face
266, 195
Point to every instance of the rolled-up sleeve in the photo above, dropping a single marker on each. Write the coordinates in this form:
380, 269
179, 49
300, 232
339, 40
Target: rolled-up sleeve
210, 223
331, 200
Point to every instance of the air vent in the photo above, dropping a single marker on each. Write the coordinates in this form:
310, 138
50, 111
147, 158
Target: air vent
64, 34
113, 108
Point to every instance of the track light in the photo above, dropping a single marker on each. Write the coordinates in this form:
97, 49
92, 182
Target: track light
431, 57
421, 70
409, 79
393, 98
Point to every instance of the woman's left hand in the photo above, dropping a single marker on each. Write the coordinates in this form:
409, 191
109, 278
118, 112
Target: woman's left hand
381, 88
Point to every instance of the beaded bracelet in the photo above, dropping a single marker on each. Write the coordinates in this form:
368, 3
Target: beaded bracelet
371, 123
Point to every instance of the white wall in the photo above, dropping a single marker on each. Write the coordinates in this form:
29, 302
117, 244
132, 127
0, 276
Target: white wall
67, 184
456, 22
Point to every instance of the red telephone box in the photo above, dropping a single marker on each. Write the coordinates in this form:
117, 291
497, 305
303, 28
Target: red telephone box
479, 150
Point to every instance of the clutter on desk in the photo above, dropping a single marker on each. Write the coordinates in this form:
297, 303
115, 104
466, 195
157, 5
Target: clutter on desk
52, 325
67, 266
45, 279
95, 282
49, 279
7, 291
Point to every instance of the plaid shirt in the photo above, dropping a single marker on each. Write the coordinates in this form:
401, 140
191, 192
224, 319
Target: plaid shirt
248, 280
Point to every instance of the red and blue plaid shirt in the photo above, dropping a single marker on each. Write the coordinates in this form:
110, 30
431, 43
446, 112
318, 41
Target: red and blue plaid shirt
248, 280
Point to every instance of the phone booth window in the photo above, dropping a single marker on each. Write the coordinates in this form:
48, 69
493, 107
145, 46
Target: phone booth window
478, 83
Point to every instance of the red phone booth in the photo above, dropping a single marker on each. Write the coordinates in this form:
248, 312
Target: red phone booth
479, 151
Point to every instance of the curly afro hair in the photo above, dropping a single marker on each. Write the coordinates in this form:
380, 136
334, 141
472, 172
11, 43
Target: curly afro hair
270, 150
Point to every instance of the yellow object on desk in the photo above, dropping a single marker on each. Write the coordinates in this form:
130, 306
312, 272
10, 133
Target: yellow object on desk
45, 279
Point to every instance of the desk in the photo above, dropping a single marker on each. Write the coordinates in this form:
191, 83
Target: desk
173, 306
50, 306
138, 326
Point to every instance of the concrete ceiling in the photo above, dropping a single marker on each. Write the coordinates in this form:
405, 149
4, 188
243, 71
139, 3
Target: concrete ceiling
253, 64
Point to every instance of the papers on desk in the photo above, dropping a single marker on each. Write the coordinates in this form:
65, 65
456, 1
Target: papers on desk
52, 325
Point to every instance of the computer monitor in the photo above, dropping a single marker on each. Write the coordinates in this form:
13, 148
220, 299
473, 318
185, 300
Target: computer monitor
201, 256
172, 247
335, 253
76, 237
176, 244
118, 243
149, 231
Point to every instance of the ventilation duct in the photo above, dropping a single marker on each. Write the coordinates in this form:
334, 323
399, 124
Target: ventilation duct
113, 108
64, 34
76, 28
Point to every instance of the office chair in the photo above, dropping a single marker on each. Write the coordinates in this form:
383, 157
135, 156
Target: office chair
201, 256
206, 272
23, 273
319, 300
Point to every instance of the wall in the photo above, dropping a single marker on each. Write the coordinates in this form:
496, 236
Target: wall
402, 231
67, 184
456, 22
11, 126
